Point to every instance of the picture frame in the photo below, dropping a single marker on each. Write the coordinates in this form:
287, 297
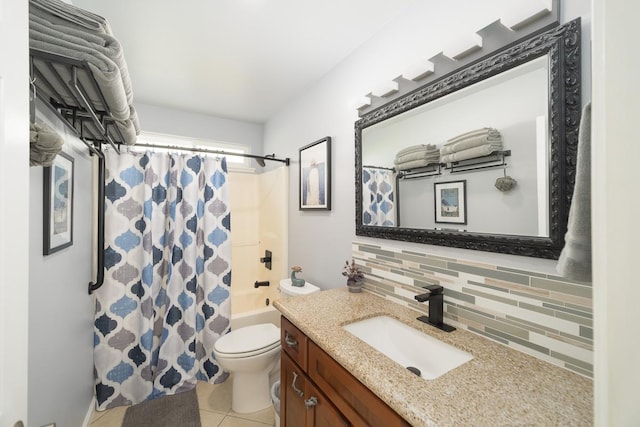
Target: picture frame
315, 175
58, 204
450, 202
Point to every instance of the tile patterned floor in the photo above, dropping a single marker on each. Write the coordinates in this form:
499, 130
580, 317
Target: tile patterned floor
215, 410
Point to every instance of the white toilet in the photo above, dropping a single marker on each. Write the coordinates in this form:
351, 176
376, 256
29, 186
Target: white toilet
250, 354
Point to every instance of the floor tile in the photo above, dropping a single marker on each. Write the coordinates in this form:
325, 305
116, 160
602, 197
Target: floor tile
230, 421
266, 416
210, 419
110, 418
214, 397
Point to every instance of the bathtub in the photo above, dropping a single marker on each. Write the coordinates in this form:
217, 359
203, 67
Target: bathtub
249, 307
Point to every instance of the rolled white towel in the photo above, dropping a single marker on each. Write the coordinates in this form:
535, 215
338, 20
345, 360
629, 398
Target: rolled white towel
45, 144
63, 13
425, 155
471, 139
471, 153
415, 164
416, 148
473, 133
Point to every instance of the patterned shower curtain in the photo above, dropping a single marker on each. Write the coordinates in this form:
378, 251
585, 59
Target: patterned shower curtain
165, 298
378, 198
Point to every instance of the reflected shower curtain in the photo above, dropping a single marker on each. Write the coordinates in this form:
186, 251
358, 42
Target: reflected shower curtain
378, 197
165, 298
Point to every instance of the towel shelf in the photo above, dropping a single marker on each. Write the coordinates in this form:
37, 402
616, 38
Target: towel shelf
493, 160
432, 169
58, 82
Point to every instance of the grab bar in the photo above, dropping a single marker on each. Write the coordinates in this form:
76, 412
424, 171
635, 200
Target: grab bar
100, 247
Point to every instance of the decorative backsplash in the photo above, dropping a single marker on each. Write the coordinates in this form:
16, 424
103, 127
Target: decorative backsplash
542, 315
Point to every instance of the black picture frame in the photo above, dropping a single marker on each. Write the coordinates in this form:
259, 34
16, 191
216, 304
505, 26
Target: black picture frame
315, 175
450, 202
58, 204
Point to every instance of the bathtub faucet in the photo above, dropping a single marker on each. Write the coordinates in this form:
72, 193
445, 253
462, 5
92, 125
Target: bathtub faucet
258, 284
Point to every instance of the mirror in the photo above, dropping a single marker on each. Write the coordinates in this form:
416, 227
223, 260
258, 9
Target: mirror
527, 98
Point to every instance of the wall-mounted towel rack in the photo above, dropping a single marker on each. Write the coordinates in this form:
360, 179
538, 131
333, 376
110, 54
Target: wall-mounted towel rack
422, 172
493, 160
64, 85
379, 167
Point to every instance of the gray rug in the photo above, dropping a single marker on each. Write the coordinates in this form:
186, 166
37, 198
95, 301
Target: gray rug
178, 410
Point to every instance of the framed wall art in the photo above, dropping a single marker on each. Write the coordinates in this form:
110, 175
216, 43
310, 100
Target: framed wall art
315, 175
450, 202
58, 204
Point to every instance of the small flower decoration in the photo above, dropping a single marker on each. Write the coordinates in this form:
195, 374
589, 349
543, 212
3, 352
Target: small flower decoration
352, 272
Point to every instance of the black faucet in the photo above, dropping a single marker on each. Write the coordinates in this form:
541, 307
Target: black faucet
436, 307
258, 284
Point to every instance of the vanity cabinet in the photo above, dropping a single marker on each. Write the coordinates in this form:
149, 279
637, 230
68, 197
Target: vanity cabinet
315, 390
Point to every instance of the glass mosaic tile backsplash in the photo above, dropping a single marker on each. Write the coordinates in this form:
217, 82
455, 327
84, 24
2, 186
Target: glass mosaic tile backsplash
542, 315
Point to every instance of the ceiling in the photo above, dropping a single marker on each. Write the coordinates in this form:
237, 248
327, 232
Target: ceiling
238, 59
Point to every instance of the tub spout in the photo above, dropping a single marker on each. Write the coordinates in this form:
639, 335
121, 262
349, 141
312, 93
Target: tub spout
258, 284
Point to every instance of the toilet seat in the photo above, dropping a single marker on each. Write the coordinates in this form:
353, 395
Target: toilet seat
249, 341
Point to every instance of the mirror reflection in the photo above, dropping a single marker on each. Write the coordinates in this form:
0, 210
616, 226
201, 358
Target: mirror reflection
522, 104
454, 135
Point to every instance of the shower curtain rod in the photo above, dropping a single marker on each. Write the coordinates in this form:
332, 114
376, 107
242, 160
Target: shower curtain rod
206, 150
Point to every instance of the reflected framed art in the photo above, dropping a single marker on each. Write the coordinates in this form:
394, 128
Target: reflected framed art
450, 202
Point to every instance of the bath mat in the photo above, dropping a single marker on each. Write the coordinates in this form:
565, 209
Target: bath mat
167, 411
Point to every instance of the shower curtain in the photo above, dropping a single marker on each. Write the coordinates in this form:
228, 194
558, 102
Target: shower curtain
166, 293
378, 198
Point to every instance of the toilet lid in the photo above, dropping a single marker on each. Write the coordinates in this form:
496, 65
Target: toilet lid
289, 289
249, 339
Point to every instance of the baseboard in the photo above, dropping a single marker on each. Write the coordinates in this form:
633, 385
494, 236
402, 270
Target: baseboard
87, 418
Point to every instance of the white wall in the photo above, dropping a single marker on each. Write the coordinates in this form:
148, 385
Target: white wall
14, 208
615, 177
321, 241
60, 308
193, 125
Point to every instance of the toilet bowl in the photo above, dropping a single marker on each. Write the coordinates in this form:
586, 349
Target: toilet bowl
249, 354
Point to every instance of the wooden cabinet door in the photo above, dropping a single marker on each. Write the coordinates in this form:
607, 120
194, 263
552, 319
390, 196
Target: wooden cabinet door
353, 399
292, 385
301, 403
320, 412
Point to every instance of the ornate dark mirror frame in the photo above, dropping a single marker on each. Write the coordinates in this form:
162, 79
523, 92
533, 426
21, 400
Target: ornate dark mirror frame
562, 45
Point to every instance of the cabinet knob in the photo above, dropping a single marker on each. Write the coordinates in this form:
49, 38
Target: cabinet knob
311, 402
290, 341
294, 387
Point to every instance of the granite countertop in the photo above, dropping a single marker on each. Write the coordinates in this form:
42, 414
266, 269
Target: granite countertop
499, 387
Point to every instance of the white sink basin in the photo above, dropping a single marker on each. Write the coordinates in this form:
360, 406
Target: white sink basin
408, 346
